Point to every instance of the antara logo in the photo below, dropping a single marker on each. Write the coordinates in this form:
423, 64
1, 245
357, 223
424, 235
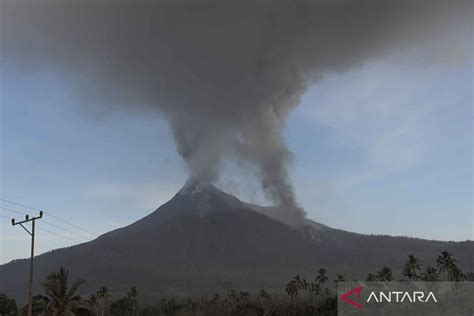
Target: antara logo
357, 291
400, 297
389, 297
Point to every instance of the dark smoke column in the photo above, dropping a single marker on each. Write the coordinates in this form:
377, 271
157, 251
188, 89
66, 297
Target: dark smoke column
225, 73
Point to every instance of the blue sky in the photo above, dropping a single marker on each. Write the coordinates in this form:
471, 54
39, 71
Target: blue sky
383, 149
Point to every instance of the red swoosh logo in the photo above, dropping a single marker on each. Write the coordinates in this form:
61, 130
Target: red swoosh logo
355, 304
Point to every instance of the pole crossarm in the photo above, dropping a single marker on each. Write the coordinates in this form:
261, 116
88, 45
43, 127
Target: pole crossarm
27, 219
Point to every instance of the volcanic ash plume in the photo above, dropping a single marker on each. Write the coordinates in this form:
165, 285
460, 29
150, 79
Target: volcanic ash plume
226, 74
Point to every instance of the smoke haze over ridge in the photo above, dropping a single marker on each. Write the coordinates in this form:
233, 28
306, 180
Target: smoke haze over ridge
225, 74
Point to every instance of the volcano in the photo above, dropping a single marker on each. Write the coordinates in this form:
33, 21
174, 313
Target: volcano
204, 237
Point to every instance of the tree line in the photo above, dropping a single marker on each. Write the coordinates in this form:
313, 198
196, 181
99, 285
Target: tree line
303, 297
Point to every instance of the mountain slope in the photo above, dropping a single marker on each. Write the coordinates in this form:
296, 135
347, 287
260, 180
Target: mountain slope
204, 236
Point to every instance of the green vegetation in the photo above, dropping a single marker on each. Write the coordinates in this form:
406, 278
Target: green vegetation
412, 267
62, 299
7, 306
316, 297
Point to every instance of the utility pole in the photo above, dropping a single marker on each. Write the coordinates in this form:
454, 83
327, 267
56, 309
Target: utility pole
32, 234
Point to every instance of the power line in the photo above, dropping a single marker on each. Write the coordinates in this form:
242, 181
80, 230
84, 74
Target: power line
66, 222
59, 235
18, 204
48, 231
9, 209
48, 223
48, 213
63, 229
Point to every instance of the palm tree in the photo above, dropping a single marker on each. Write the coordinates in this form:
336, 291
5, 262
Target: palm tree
103, 295
456, 274
430, 274
411, 268
314, 289
63, 300
39, 304
321, 278
292, 288
385, 274
92, 304
304, 285
301, 283
371, 278
133, 296
339, 278
263, 294
445, 261
7, 305
469, 276
447, 264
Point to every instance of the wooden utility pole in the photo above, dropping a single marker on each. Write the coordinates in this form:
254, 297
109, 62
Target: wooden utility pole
32, 234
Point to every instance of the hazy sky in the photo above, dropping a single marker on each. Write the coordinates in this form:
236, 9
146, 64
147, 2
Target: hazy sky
383, 149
